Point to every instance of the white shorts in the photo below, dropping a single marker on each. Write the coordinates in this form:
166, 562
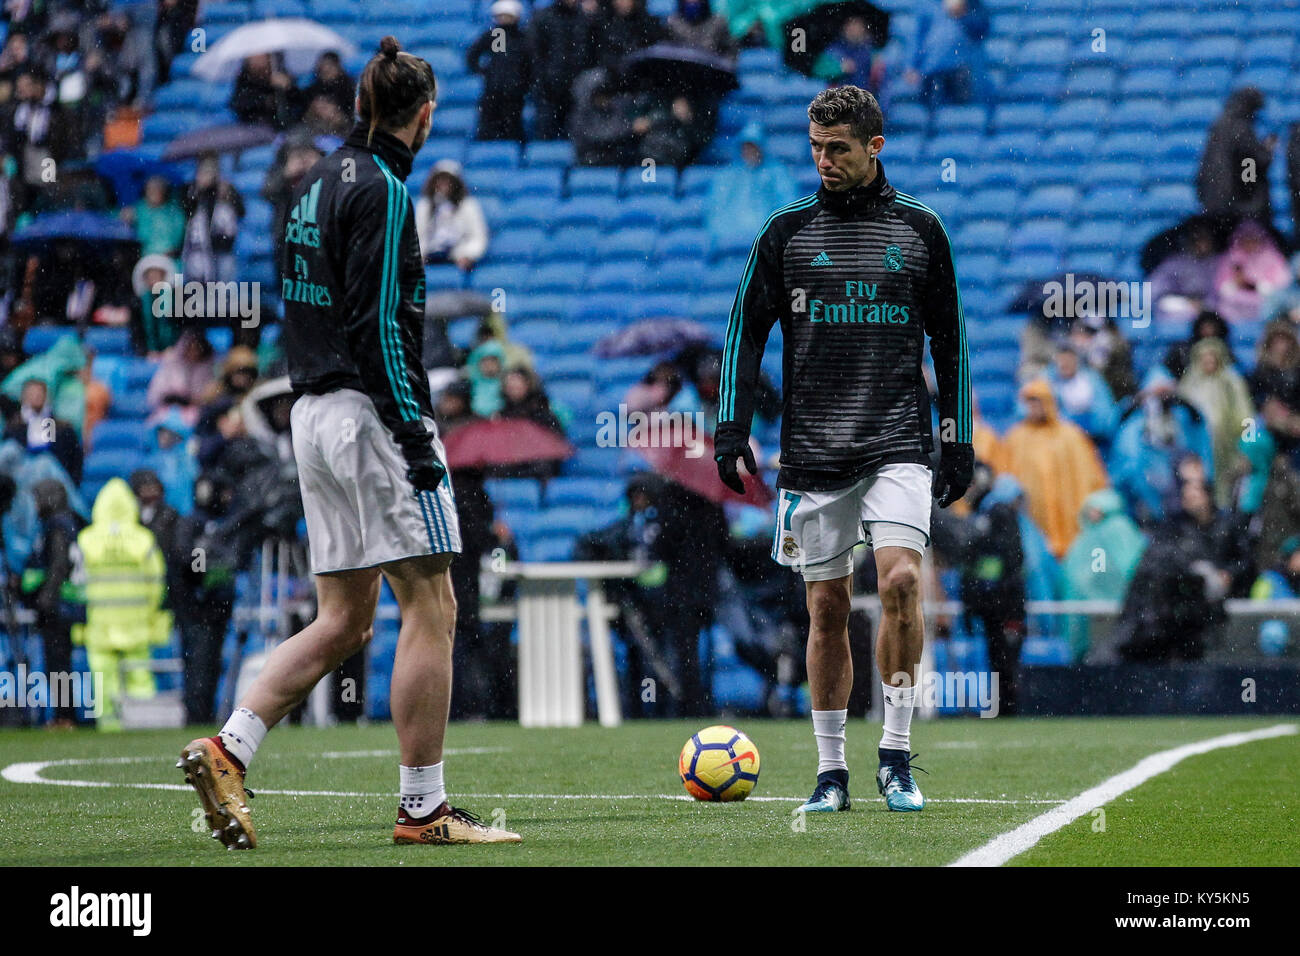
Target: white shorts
816, 531
361, 511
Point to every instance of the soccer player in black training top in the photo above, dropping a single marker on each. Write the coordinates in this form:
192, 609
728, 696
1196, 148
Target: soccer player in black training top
375, 489
857, 274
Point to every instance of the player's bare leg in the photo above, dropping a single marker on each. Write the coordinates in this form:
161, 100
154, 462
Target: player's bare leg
216, 766
830, 680
898, 655
830, 667
344, 624
421, 696
421, 687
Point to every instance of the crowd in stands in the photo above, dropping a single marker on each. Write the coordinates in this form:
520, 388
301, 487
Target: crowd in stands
1184, 475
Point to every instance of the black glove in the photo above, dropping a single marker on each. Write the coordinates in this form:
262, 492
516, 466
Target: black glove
425, 475
956, 472
423, 469
729, 445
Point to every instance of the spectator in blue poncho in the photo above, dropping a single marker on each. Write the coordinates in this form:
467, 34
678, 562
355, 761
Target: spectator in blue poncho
744, 195
1041, 571
947, 59
1156, 430
1083, 396
173, 461
1101, 560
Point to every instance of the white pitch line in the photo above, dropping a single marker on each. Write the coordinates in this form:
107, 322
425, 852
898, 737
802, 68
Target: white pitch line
1014, 842
33, 772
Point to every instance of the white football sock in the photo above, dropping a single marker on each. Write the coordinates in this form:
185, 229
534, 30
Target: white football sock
422, 789
828, 728
898, 717
243, 734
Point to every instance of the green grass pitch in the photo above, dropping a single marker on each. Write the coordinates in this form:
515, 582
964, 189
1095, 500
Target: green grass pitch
609, 797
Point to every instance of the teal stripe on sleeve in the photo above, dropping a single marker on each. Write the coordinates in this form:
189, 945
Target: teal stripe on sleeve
965, 424
731, 348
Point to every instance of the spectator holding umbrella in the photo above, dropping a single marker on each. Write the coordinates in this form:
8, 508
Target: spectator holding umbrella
1231, 149
502, 56
1250, 271
622, 27
694, 24
264, 94
331, 94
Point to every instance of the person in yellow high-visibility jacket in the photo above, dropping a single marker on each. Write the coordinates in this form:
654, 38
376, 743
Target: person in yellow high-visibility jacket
124, 586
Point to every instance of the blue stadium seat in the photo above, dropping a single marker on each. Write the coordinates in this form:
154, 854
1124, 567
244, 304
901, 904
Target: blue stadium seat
1095, 234
1213, 51
683, 243
513, 493
1017, 117
516, 246
109, 341
556, 277
549, 153
598, 492
584, 180
633, 243
571, 243
107, 463
489, 155
128, 436
39, 338
519, 183
615, 276
1076, 114
1040, 235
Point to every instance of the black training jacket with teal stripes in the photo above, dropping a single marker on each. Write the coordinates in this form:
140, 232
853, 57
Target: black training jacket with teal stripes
353, 282
857, 280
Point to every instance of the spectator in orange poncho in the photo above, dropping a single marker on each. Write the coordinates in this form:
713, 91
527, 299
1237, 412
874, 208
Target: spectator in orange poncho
1056, 464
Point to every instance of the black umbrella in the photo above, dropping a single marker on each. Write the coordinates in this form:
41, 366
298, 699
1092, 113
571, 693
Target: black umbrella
227, 138
129, 169
1033, 294
678, 69
822, 25
1219, 228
